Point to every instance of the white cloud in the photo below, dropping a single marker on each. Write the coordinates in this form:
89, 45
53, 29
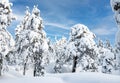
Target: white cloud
105, 27
54, 35
19, 17
19, 13
57, 25
104, 31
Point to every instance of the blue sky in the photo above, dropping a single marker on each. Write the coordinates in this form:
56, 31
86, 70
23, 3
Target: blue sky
60, 15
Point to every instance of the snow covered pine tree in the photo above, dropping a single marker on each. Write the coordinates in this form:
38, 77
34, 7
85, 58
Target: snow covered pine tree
81, 49
6, 40
31, 42
115, 4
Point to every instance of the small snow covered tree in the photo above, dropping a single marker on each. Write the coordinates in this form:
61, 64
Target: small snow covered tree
59, 47
101, 51
6, 40
106, 57
108, 45
115, 4
50, 53
108, 61
31, 42
22, 41
82, 49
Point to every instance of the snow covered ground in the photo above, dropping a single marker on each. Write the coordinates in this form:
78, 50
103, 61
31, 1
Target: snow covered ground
14, 77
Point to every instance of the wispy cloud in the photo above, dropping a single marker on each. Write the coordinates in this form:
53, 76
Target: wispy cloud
47, 22
104, 31
105, 27
19, 12
54, 35
57, 25
19, 17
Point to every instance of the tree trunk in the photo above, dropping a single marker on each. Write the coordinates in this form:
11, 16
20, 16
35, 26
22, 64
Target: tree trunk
1, 63
25, 65
38, 68
34, 72
74, 63
0, 72
0, 69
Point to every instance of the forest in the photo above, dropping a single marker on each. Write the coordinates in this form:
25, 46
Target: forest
32, 53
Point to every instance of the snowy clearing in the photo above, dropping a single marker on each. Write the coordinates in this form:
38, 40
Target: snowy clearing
62, 78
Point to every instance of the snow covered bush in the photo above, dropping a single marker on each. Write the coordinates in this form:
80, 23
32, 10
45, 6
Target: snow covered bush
31, 43
115, 4
81, 49
6, 40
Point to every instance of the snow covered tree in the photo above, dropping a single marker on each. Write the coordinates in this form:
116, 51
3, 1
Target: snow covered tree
31, 42
106, 57
115, 4
101, 51
108, 63
108, 45
50, 53
60, 47
6, 40
21, 40
82, 49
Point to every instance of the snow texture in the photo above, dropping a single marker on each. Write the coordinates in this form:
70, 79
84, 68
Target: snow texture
14, 77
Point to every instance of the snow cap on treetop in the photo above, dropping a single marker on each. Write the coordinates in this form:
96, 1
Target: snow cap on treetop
115, 4
27, 12
78, 30
5, 3
80, 26
6, 15
36, 11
